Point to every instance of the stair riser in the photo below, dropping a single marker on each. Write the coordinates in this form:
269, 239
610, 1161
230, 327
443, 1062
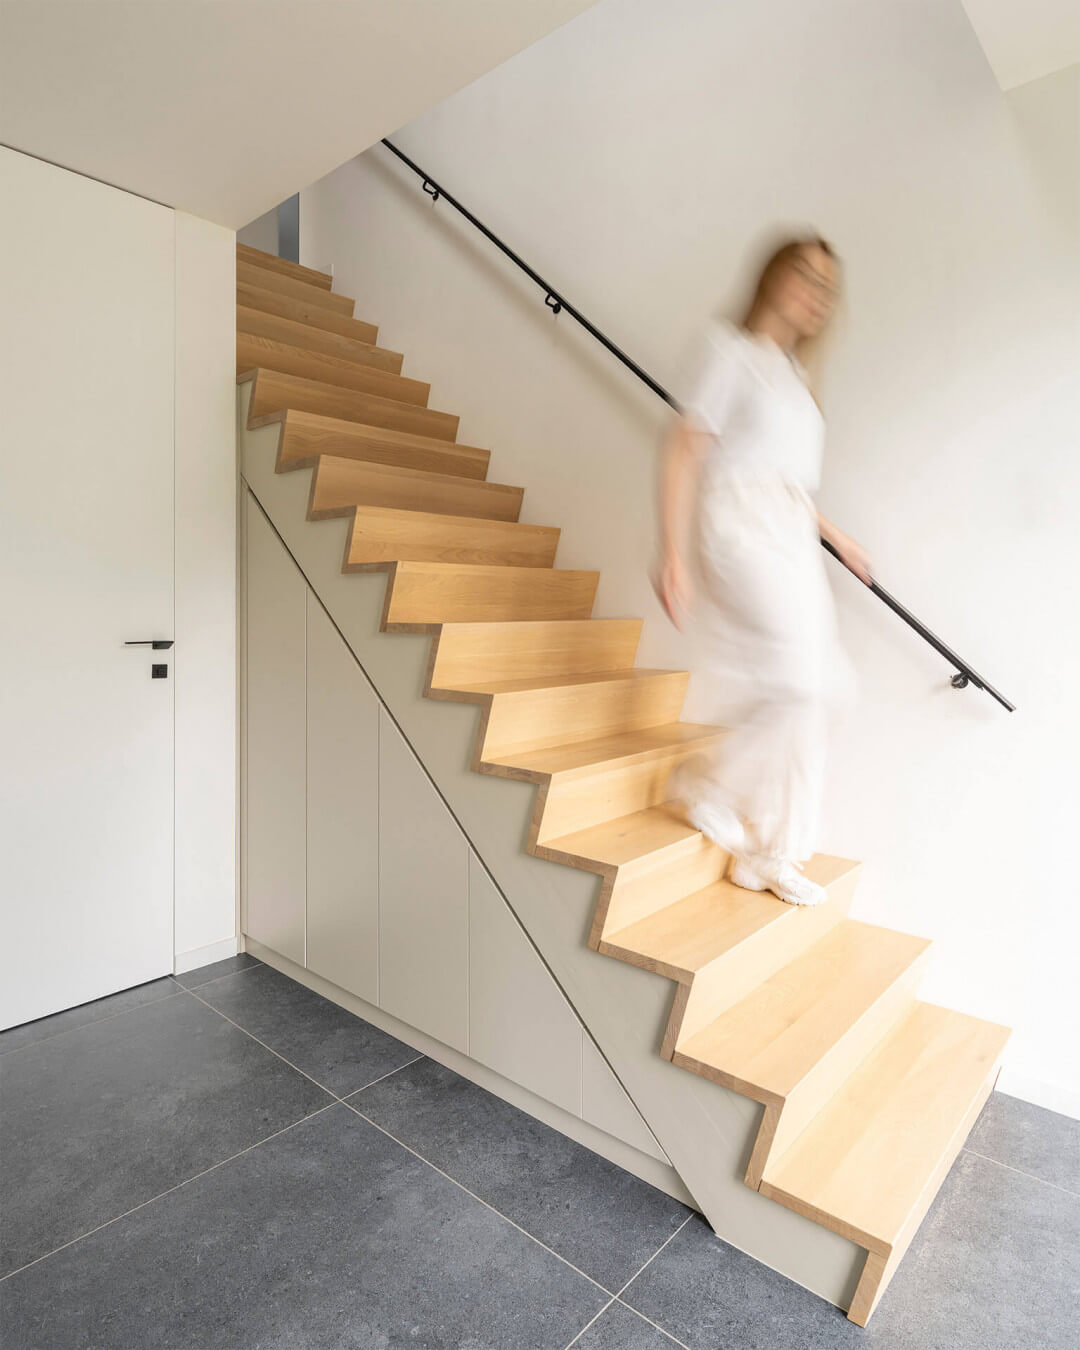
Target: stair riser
254, 352
256, 258
419, 601
340, 484
381, 535
542, 717
577, 803
275, 391
737, 973
832, 1070
295, 290
470, 653
301, 443
255, 296
317, 341
649, 885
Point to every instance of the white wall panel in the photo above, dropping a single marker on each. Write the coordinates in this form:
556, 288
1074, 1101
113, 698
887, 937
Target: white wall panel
342, 812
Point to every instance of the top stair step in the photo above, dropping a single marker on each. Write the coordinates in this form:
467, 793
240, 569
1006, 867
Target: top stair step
255, 257
255, 295
267, 280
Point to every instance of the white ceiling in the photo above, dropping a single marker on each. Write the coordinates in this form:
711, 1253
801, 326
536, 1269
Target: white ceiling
1026, 39
225, 107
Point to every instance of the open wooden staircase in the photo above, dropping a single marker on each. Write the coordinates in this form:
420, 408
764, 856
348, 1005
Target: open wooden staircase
868, 1093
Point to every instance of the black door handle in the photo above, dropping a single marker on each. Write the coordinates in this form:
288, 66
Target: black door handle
158, 644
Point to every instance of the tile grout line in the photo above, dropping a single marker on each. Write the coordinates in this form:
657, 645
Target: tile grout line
96, 1021
590, 1323
161, 1194
1021, 1173
478, 1198
381, 1078
243, 970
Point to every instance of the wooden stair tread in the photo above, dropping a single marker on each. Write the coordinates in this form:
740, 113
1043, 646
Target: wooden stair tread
566, 681
276, 391
526, 648
255, 349
425, 595
256, 296
309, 434
310, 338
627, 838
584, 757
770, 1040
382, 534
689, 934
342, 482
871, 1161
297, 288
259, 258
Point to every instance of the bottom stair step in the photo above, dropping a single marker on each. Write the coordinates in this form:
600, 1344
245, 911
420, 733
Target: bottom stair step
873, 1159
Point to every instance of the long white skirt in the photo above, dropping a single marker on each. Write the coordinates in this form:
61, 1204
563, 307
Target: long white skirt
772, 657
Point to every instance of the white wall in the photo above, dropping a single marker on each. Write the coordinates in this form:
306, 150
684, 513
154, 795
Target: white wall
635, 157
205, 920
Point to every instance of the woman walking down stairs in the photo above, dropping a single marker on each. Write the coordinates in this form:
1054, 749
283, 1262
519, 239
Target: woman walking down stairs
866, 1093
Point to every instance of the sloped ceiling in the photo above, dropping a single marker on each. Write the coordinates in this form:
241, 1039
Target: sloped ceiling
1026, 39
224, 107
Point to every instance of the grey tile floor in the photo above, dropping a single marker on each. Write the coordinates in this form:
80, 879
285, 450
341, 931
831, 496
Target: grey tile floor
227, 1161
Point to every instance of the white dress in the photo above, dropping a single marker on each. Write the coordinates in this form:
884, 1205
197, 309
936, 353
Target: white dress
763, 601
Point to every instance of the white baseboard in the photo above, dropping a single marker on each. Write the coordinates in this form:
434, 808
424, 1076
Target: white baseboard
1052, 1096
204, 956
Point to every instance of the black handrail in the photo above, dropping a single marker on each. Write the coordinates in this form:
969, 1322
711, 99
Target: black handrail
557, 302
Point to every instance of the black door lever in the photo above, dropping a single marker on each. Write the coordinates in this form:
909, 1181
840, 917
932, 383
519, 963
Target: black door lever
158, 644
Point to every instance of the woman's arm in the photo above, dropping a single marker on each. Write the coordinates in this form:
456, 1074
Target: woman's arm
680, 464
852, 554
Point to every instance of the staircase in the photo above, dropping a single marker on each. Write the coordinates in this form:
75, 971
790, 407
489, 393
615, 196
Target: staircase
867, 1093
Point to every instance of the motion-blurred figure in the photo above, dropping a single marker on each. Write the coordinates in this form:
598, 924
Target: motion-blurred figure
739, 468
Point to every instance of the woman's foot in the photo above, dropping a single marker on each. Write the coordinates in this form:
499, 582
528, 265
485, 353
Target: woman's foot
718, 823
782, 878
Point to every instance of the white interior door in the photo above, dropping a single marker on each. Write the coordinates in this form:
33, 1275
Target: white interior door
86, 550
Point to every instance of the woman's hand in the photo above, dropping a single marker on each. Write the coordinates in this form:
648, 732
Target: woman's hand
852, 554
674, 587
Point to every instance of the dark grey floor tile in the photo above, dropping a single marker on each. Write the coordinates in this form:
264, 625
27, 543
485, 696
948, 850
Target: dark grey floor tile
995, 1266
338, 1050
192, 979
330, 1236
617, 1328
102, 1119
138, 996
604, 1220
1030, 1138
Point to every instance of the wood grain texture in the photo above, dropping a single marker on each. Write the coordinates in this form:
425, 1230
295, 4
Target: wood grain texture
339, 483
381, 534
275, 391
254, 350
466, 653
307, 337
252, 295
294, 288
421, 595
306, 435
256, 257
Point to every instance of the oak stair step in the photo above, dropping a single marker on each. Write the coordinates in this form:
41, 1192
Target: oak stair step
382, 534
258, 258
294, 289
252, 295
305, 436
339, 484
422, 595
465, 653
533, 714
872, 1160
275, 391
253, 351
308, 338
599, 779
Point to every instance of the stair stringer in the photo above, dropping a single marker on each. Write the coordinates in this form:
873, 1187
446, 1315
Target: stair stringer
706, 1130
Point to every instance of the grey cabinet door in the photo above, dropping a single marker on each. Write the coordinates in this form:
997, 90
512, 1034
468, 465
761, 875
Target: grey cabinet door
520, 1024
423, 899
342, 813
275, 770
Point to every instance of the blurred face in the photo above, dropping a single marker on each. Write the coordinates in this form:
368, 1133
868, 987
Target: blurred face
804, 291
